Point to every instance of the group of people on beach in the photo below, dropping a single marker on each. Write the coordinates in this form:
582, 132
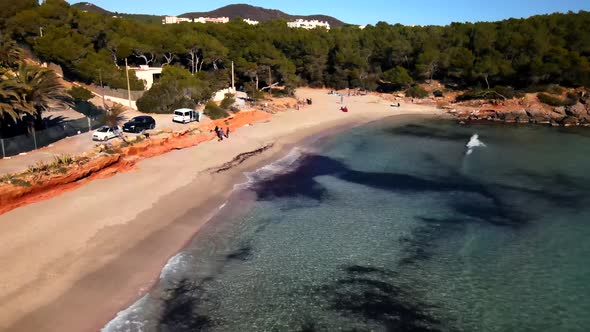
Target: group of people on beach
221, 134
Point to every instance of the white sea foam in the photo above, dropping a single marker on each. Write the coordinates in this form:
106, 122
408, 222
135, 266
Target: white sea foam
473, 143
133, 318
271, 169
127, 320
175, 264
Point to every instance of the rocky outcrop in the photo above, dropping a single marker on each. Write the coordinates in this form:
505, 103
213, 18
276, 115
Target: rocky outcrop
579, 111
578, 114
527, 109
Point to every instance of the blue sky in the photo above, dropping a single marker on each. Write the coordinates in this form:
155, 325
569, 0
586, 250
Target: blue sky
424, 12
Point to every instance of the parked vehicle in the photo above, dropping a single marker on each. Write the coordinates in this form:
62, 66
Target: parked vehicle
139, 124
186, 115
105, 133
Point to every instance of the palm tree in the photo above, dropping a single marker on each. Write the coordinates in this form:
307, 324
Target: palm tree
10, 53
12, 103
41, 89
114, 115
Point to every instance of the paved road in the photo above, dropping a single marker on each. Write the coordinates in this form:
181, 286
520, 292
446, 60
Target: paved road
71, 146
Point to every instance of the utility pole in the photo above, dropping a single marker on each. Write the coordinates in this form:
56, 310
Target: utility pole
34, 136
128, 86
232, 77
270, 80
101, 88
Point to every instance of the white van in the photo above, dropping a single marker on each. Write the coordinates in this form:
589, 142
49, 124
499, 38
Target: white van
186, 115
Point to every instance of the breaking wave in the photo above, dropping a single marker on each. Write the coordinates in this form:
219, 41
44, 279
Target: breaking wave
473, 143
272, 169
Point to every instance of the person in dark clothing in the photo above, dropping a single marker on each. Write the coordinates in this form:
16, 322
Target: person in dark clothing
219, 133
227, 132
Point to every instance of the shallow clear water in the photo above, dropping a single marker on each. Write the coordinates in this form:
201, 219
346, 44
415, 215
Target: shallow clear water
395, 228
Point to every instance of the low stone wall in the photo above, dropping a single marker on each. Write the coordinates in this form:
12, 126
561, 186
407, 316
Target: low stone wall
122, 101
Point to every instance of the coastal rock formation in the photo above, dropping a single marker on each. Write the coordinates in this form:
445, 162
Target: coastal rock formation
525, 110
579, 111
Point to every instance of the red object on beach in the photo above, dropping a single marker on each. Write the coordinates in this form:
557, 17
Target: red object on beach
344, 109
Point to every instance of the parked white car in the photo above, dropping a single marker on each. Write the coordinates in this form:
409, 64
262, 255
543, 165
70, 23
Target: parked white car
105, 133
186, 115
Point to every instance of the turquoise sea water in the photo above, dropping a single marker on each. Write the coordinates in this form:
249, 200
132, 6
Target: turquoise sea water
394, 227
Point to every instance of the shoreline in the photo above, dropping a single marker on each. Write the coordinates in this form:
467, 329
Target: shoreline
229, 206
83, 270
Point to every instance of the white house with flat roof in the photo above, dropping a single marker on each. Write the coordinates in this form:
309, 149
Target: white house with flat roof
147, 74
308, 24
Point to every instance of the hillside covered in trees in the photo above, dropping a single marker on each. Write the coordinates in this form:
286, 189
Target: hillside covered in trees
521, 53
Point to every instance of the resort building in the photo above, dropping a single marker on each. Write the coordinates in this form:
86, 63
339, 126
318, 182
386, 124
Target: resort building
175, 20
306, 24
251, 22
211, 20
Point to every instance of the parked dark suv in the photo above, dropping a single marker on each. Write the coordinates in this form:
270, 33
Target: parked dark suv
139, 123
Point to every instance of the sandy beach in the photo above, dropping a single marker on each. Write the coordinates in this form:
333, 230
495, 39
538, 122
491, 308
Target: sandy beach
72, 262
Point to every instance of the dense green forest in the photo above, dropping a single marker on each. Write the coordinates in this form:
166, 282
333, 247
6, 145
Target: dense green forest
517, 52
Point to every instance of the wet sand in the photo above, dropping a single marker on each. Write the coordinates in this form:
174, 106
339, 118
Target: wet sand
72, 262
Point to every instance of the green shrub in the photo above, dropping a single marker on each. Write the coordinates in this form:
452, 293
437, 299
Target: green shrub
252, 92
555, 89
182, 102
508, 92
20, 182
38, 168
164, 99
416, 91
398, 77
498, 92
227, 101
215, 112
548, 99
80, 94
62, 160
7, 178
280, 93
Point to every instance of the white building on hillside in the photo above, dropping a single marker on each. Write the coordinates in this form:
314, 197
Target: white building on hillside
175, 20
251, 22
211, 20
306, 24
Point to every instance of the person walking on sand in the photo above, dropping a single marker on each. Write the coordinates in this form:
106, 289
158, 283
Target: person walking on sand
219, 133
227, 132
